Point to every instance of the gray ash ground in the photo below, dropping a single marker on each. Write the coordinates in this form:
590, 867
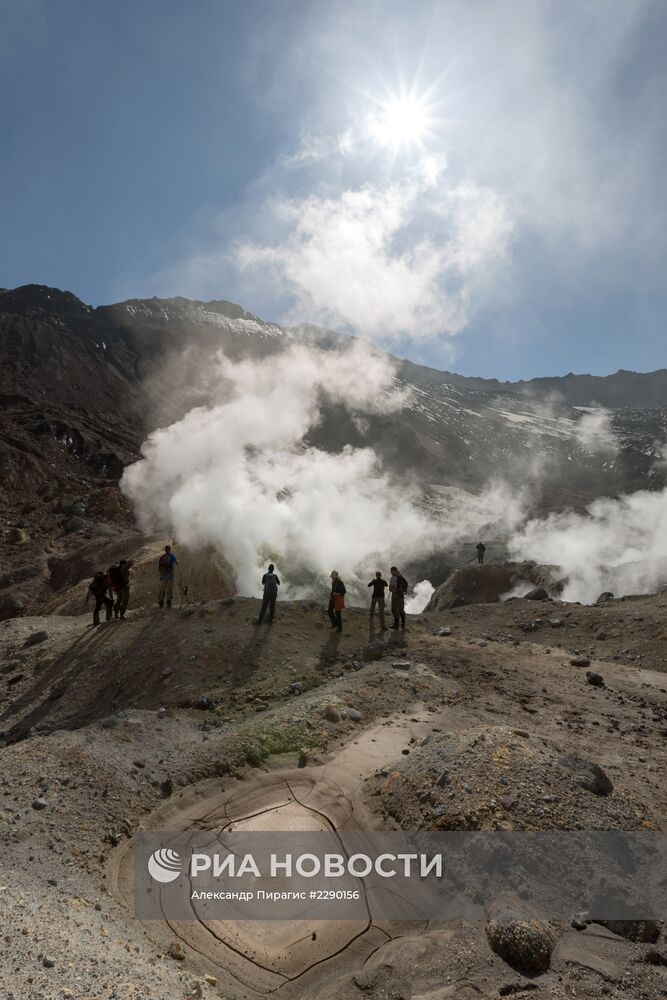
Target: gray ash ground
107, 728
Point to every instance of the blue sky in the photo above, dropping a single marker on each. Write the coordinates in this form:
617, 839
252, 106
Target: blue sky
477, 186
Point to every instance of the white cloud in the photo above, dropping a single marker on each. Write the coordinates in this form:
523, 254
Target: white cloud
401, 260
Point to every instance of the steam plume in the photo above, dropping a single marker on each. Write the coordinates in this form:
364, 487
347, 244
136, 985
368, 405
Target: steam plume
240, 475
618, 545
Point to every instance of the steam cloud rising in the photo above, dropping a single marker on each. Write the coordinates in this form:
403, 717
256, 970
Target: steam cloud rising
619, 545
239, 475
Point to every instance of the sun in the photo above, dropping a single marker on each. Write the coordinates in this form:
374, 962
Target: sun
401, 120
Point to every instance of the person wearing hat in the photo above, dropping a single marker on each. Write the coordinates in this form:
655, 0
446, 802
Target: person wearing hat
336, 601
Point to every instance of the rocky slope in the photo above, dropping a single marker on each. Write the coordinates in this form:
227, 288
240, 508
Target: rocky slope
82, 387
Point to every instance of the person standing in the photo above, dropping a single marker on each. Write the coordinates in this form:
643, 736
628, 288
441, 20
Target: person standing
98, 588
398, 588
336, 601
121, 587
270, 582
166, 565
377, 598
481, 549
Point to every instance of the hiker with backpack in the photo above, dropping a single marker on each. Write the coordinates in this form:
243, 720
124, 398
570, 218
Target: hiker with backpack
166, 564
481, 549
398, 588
98, 588
270, 582
119, 575
336, 601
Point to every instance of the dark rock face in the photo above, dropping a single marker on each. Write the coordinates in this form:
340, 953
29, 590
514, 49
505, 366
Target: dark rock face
491, 582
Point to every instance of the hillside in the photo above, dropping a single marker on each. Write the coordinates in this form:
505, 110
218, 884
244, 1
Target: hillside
82, 387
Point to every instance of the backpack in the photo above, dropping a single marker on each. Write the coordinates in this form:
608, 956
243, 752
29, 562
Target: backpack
402, 585
115, 576
99, 582
163, 563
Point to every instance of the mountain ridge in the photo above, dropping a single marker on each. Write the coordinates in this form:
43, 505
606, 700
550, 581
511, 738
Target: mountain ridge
83, 387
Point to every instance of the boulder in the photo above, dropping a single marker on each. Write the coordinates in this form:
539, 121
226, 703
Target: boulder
594, 678
536, 594
606, 595
588, 775
524, 943
35, 638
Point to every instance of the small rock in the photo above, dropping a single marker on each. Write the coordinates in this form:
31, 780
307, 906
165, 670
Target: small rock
555, 622
580, 661
353, 715
401, 664
303, 759
580, 921
597, 680
606, 595
443, 631
601, 636
254, 756
39, 804
330, 713
374, 651
35, 638
74, 524
176, 950
17, 536
48, 962
296, 687
536, 594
